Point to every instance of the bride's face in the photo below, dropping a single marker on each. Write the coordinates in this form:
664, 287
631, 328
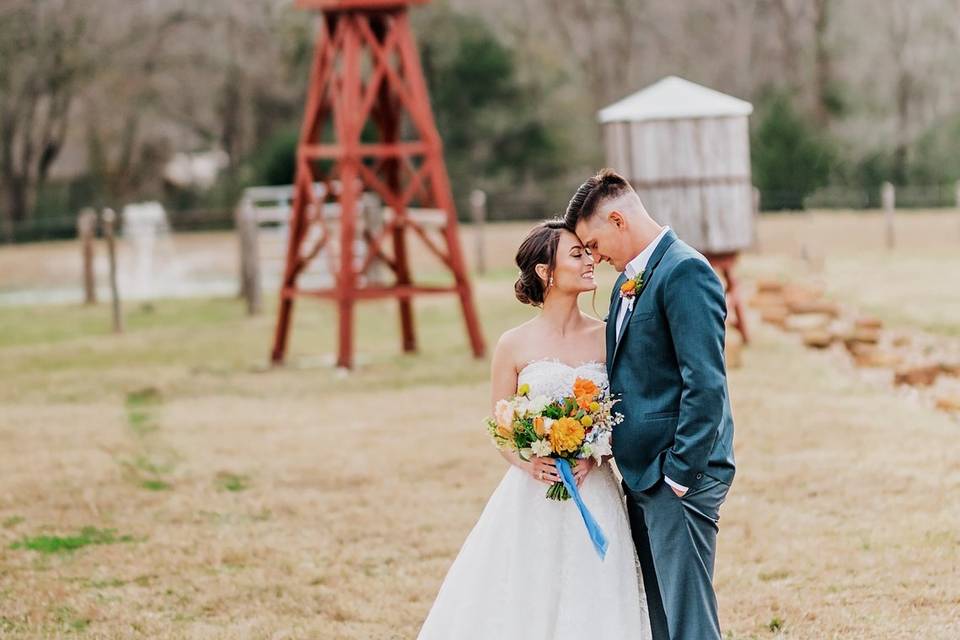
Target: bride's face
573, 268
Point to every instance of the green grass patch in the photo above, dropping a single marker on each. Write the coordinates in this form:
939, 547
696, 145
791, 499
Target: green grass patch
105, 584
12, 521
68, 619
232, 481
62, 544
141, 422
146, 397
156, 485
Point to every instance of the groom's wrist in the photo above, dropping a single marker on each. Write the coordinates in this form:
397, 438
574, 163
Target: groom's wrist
679, 488
678, 472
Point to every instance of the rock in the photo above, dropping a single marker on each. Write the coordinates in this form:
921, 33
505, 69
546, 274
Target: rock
775, 316
862, 336
869, 322
769, 286
764, 300
917, 375
949, 402
818, 338
869, 356
806, 322
950, 369
824, 307
902, 341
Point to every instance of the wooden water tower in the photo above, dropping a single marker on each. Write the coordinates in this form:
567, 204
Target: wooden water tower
686, 150
368, 128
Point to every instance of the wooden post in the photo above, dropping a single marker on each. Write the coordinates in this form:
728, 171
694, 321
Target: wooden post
109, 220
86, 232
888, 198
478, 211
373, 221
247, 229
956, 194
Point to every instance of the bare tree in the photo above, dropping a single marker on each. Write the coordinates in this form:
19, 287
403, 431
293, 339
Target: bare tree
43, 64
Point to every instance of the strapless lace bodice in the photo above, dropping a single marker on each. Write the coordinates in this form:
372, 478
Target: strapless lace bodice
552, 378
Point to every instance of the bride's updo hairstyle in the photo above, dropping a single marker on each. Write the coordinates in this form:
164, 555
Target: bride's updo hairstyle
539, 247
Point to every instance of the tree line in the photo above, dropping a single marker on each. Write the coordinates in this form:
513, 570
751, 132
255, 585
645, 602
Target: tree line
95, 97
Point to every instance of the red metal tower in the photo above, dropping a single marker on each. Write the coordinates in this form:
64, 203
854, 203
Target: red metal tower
368, 126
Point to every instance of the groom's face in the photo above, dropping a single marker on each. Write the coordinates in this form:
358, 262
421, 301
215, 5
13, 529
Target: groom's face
603, 235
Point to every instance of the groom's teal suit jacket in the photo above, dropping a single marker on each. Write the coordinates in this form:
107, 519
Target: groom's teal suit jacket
668, 369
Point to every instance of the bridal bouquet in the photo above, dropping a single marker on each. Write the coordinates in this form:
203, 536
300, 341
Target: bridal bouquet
570, 428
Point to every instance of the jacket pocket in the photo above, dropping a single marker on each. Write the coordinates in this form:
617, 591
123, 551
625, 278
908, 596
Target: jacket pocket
661, 414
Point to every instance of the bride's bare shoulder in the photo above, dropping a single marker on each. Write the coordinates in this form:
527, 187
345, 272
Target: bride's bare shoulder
595, 324
516, 336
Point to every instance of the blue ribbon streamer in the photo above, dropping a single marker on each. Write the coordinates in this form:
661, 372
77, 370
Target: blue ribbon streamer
597, 537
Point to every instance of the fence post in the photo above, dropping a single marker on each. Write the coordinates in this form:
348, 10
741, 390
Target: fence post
956, 194
478, 211
86, 231
888, 198
250, 289
371, 208
109, 220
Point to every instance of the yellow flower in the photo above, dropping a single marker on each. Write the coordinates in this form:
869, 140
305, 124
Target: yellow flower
524, 389
586, 421
628, 286
594, 406
566, 435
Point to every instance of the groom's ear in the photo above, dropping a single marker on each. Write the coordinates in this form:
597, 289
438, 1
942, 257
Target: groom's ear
617, 219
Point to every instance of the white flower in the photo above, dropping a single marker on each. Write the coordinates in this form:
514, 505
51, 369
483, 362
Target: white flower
541, 448
601, 447
547, 425
538, 404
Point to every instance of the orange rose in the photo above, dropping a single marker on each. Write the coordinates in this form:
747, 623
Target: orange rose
584, 388
628, 286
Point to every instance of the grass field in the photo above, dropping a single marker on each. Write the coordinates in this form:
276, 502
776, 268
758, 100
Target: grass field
167, 484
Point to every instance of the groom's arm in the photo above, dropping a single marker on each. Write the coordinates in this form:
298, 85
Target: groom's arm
695, 307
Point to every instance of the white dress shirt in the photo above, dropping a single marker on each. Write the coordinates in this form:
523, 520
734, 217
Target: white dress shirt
633, 268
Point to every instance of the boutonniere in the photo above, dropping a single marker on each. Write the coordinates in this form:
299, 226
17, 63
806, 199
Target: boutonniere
629, 288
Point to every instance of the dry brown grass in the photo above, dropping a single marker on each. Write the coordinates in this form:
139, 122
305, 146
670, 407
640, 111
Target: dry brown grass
842, 522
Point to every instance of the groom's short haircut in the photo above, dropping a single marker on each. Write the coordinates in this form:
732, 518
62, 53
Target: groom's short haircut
596, 190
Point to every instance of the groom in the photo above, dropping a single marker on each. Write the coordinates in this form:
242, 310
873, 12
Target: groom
665, 359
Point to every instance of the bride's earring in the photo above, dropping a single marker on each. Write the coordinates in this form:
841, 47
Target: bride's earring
551, 282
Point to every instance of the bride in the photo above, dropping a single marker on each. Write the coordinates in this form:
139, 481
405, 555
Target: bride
528, 569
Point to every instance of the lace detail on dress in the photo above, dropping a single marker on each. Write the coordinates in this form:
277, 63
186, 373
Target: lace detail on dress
554, 378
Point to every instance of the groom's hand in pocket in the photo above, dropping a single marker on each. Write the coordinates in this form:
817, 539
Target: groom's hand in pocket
679, 490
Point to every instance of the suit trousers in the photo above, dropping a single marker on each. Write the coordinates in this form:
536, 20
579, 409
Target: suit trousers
676, 540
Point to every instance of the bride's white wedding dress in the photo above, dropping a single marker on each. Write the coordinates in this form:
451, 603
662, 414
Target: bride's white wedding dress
528, 570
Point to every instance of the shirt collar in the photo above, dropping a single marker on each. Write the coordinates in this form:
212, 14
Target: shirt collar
639, 263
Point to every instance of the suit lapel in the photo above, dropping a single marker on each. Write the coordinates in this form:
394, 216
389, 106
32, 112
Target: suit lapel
658, 254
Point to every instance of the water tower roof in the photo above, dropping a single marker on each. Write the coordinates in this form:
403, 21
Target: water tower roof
674, 98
